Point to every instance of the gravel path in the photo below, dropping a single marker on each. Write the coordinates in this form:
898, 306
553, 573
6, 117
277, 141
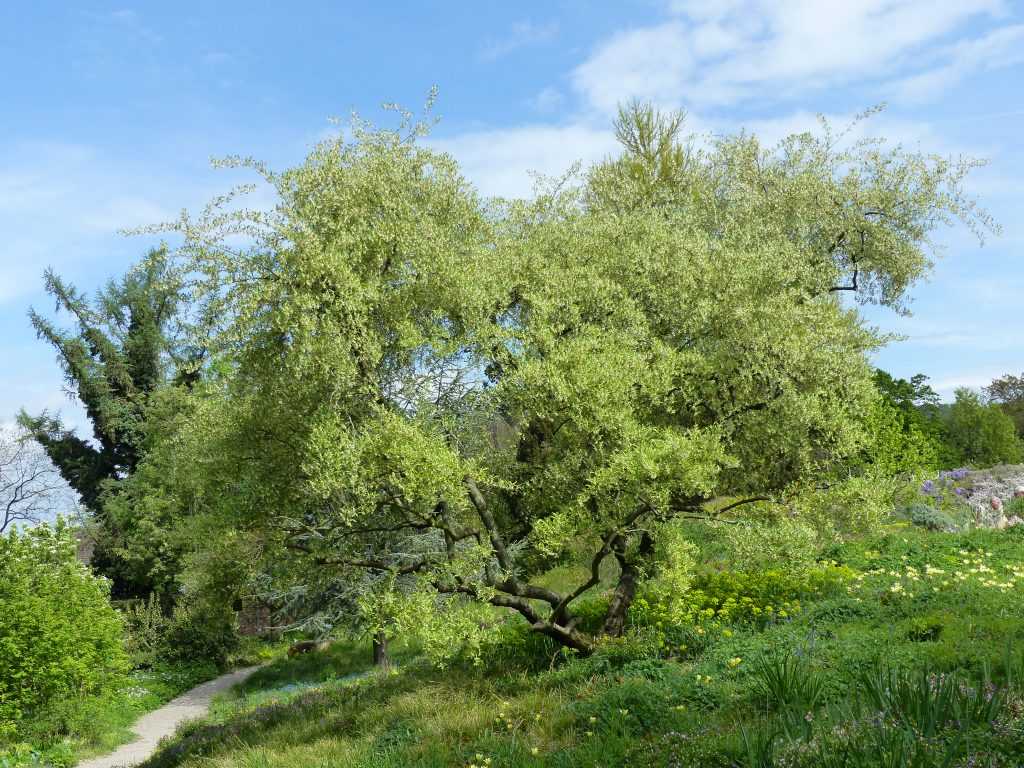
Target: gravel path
165, 721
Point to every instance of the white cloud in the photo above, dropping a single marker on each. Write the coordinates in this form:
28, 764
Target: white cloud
499, 162
651, 63
522, 35
914, 135
946, 386
722, 53
547, 100
125, 212
1001, 48
62, 205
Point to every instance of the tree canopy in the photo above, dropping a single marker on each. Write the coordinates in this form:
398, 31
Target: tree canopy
981, 434
122, 349
436, 395
1008, 392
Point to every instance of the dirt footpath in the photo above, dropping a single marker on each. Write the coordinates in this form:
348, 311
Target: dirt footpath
165, 721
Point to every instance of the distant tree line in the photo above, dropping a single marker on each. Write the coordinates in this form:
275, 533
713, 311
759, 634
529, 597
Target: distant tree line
976, 429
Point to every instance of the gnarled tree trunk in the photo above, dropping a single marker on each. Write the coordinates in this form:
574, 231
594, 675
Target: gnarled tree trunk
625, 590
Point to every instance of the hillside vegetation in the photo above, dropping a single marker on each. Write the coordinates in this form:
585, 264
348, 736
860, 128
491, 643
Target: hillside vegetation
902, 649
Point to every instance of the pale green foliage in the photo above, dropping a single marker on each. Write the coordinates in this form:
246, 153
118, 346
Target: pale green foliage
424, 386
763, 544
896, 444
677, 558
412, 458
444, 627
857, 504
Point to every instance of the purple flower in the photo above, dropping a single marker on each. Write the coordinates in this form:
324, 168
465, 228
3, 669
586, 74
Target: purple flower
958, 491
927, 486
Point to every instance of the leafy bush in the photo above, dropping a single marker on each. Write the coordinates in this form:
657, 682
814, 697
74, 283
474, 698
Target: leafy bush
514, 643
146, 636
755, 545
856, 504
620, 651
929, 517
754, 597
201, 631
196, 631
60, 639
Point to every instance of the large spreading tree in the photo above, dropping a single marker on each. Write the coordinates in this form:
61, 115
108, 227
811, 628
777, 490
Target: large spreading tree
439, 395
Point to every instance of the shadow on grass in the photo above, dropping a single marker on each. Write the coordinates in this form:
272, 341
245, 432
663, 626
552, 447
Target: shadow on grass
339, 660
308, 716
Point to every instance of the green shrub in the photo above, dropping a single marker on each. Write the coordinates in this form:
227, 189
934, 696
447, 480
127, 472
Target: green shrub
197, 631
925, 629
60, 639
619, 651
757, 545
860, 504
514, 643
756, 597
146, 635
201, 631
929, 517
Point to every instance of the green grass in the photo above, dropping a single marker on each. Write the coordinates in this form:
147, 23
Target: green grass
866, 675
81, 728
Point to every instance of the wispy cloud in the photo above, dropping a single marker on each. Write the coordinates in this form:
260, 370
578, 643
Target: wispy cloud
946, 386
522, 35
547, 100
996, 50
722, 53
61, 204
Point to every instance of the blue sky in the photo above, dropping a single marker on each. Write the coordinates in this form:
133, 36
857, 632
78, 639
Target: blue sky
111, 111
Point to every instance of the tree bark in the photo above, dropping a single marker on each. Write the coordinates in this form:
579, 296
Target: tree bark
622, 598
380, 651
625, 591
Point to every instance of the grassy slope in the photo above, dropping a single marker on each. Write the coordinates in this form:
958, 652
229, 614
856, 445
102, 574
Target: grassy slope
694, 707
